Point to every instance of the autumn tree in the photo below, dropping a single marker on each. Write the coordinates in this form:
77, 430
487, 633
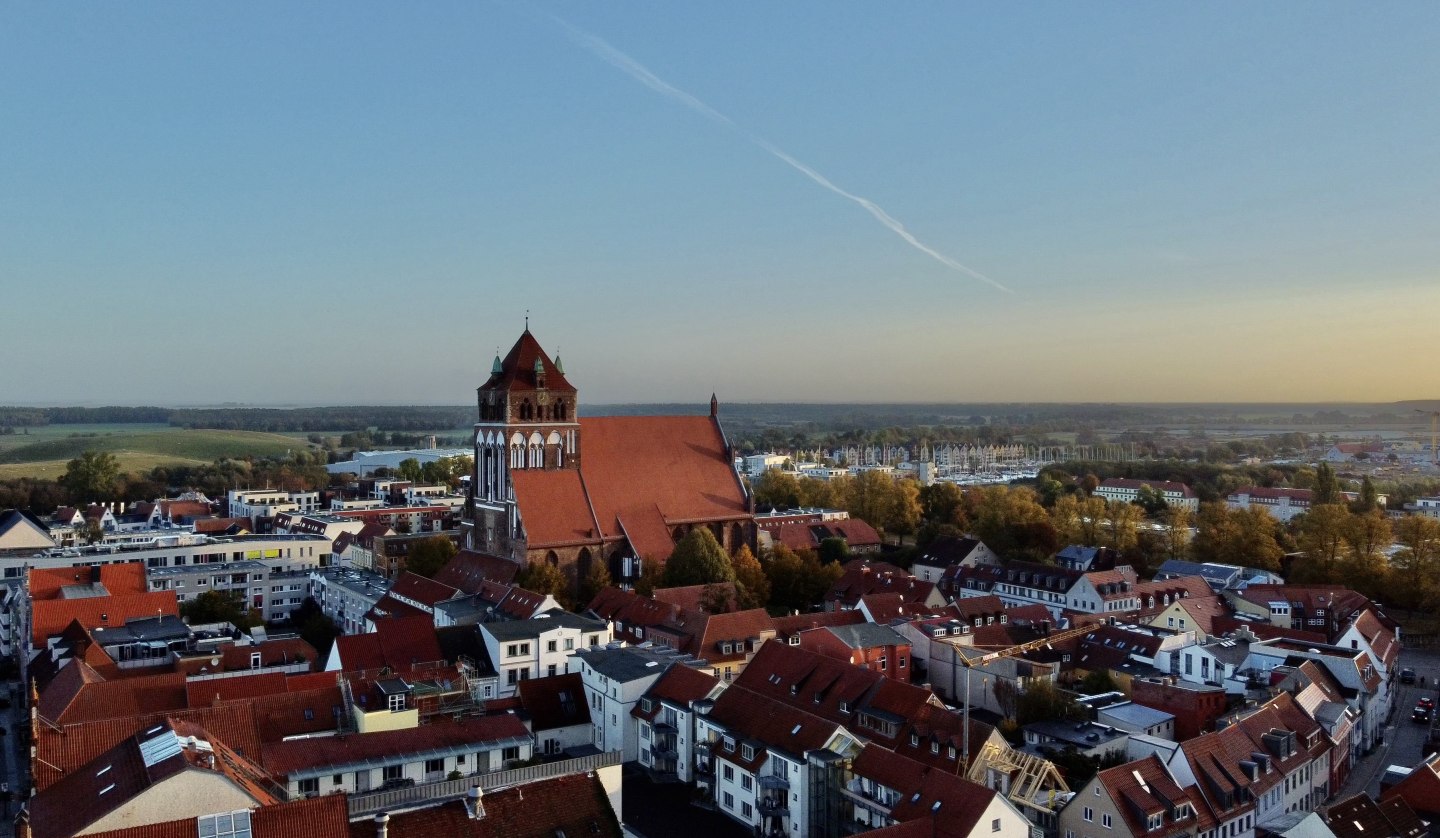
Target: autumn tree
798, 581
752, 586
776, 489
1120, 527
1177, 532
546, 578
1327, 487
698, 560
1321, 536
941, 503
1417, 563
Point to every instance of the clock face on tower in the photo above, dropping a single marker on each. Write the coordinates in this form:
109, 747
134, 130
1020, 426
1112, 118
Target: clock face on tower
543, 398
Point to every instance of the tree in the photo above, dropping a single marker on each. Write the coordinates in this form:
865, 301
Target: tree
218, 607
428, 555
91, 476
1369, 499
1098, 681
798, 581
752, 586
595, 580
1417, 562
409, 469
698, 560
716, 599
1177, 532
940, 503
1121, 525
834, 549
776, 489
652, 576
1327, 487
1151, 500
315, 627
545, 578
1320, 535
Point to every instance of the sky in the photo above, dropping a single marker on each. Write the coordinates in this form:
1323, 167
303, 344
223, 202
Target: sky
357, 203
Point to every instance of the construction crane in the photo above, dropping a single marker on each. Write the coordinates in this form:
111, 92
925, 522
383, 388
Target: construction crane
970, 663
1434, 433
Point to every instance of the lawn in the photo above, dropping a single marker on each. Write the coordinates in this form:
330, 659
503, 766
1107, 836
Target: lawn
139, 448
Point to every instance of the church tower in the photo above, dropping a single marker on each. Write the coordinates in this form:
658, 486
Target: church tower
527, 420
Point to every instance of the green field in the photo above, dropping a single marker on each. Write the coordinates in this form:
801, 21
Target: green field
45, 451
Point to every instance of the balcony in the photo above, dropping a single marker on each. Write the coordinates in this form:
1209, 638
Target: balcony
774, 806
663, 751
772, 782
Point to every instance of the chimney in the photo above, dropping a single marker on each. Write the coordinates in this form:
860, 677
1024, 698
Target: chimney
473, 805
382, 825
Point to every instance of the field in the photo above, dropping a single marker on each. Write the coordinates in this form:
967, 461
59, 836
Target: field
45, 450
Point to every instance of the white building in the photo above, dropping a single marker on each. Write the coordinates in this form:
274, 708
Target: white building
540, 647
615, 678
757, 464
1126, 490
267, 503
280, 552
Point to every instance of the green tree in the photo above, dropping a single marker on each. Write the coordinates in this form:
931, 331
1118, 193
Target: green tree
410, 469
91, 476
752, 586
698, 560
940, 503
595, 580
1177, 532
1320, 535
218, 607
1151, 500
1327, 487
428, 555
833, 550
315, 627
652, 576
1369, 499
798, 581
1098, 681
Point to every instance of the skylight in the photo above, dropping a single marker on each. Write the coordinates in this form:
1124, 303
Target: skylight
227, 825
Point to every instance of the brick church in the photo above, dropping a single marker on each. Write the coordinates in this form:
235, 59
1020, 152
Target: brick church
551, 486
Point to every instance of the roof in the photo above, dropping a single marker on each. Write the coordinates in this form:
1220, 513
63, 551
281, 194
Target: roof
78, 694
680, 685
421, 589
571, 805
51, 616
948, 550
867, 635
555, 618
942, 803
467, 569
397, 642
712, 631
117, 579
1361, 817
318, 817
330, 754
1144, 788
1420, 789
1158, 485
556, 701
1275, 494
807, 535
863, 578
694, 597
517, 371
631, 663
796, 623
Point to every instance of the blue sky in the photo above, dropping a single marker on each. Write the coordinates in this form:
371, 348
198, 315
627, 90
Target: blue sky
356, 203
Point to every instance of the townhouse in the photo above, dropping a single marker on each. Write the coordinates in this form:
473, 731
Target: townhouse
539, 647
666, 717
1127, 490
615, 678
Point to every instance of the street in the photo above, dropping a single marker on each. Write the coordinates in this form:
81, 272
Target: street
1404, 738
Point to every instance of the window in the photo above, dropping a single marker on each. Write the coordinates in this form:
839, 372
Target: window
228, 825
747, 782
310, 785
1088, 814
882, 661
393, 772
397, 703
995, 825
550, 645
728, 773
434, 765
729, 800
747, 752
1107, 822
569, 643
512, 752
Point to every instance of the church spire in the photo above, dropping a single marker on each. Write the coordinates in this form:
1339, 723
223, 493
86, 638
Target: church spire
714, 405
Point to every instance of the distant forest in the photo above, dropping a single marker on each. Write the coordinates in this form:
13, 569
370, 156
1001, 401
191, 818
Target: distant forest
768, 421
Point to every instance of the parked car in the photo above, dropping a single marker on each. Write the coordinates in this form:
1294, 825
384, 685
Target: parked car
1427, 701
1407, 676
1421, 714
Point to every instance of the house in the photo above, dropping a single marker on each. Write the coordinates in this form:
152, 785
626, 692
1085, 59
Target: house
1194, 706
1360, 817
789, 628
1088, 738
346, 595
321, 817
615, 678
1137, 719
169, 770
898, 797
1198, 614
1419, 789
22, 533
570, 804
1085, 559
493, 602
1136, 799
557, 713
1317, 692
951, 551
1127, 490
355, 763
552, 486
1349, 452
1220, 577
801, 531
666, 718
539, 647
1282, 504
867, 645
863, 577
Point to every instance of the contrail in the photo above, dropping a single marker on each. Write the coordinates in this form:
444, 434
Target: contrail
602, 49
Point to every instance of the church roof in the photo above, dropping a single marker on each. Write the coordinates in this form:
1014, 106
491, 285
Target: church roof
641, 476
517, 371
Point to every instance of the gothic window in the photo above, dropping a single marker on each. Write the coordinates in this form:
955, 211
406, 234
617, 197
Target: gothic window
560, 411
552, 558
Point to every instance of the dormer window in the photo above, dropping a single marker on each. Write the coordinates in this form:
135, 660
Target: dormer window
747, 752
397, 702
730, 744
914, 740
646, 705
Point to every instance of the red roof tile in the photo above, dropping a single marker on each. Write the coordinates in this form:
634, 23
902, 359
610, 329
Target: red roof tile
467, 570
422, 590
118, 579
556, 701
53, 615
397, 642
285, 758
573, 804
319, 817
